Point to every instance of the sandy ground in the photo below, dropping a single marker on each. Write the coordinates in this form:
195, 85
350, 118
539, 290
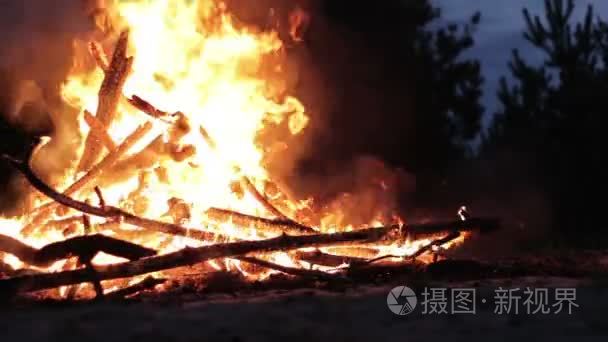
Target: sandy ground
359, 314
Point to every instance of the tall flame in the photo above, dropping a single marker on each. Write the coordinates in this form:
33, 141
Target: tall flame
190, 57
223, 78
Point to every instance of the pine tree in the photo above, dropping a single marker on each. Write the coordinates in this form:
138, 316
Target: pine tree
554, 116
406, 92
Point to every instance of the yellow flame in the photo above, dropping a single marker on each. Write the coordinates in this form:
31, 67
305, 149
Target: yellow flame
191, 57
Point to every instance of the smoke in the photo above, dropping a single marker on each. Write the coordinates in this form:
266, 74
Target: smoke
338, 79
37, 38
36, 55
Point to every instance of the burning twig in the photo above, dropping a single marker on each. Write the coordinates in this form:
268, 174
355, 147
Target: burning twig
413, 231
147, 108
147, 283
100, 57
191, 256
99, 131
84, 247
248, 185
42, 212
111, 158
102, 201
188, 256
317, 257
108, 211
300, 272
95, 280
435, 243
109, 95
62, 223
262, 224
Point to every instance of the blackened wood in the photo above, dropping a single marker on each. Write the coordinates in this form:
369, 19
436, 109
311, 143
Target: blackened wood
83, 247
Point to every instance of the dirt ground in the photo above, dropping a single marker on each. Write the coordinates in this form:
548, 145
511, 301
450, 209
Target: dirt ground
358, 314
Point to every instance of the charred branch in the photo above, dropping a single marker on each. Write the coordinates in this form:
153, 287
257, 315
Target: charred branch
435, 243
263, 224
317, 257
83, 247
100, 57
410, 231
146, 284
186, 257
42, 212
146, 108
108, 212
300, 272
149, 109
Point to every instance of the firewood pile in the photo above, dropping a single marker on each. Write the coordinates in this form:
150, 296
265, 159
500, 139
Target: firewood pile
91, 225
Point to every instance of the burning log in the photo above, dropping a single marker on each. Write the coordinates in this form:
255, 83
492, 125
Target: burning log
84, 247
412, 231
109, 95
191, 256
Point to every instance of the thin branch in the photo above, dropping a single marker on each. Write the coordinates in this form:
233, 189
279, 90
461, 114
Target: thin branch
108, 211
317, 257
435, 243
147, 108
42, 212
411, 231
100, 57
264, 224
102, 201
148, 283
300, 272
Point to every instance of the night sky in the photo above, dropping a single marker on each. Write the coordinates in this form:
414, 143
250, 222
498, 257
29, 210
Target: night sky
501, 30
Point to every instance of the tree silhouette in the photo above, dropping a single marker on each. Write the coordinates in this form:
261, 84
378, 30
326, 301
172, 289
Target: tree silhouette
447, 105
554, 116
401, 89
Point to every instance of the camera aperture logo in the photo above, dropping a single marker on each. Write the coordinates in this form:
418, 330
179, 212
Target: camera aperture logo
401, 300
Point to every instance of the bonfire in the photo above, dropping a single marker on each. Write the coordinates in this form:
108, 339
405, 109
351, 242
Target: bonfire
169, 173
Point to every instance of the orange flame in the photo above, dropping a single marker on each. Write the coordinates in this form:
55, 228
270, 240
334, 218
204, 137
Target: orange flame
190, 57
